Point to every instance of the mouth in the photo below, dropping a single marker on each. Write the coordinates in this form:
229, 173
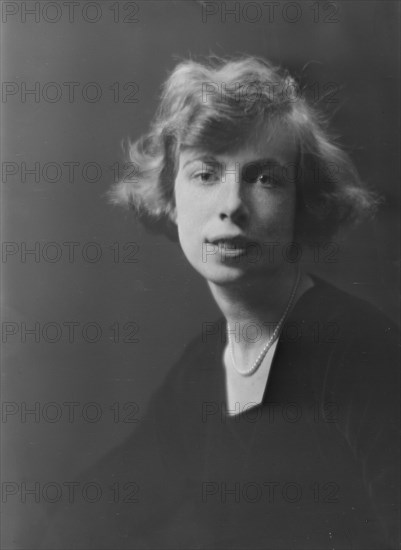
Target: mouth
231, 246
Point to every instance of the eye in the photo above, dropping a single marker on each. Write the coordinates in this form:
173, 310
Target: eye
263, 175
267, 180
205, 176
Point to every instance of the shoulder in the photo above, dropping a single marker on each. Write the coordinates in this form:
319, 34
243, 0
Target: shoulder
201, 355
326, 314
358, 350
357, 320
362, 337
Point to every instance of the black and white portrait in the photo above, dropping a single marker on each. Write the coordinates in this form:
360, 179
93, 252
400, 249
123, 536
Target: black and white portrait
200, 259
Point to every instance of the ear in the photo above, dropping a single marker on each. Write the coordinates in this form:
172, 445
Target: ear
173, 215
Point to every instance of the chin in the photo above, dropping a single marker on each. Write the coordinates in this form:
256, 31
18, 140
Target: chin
225, 275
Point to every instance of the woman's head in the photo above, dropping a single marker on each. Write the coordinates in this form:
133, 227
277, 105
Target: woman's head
223, 107
234, 210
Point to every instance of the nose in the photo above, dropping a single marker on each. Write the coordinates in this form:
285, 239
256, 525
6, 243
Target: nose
232, 204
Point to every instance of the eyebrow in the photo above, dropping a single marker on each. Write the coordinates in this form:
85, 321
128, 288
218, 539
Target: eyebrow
266, 161
204, 158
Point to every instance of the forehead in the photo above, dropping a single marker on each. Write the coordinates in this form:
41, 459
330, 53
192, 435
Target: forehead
277, 143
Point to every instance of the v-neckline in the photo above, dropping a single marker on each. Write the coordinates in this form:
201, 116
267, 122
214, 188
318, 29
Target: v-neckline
219, 382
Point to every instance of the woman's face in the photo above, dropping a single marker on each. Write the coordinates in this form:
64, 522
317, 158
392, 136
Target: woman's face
235, 212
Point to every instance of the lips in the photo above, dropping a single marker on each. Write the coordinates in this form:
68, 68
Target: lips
231, 246
238, 242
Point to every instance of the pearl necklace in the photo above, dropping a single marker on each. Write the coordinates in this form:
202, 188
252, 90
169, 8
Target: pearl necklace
272, 338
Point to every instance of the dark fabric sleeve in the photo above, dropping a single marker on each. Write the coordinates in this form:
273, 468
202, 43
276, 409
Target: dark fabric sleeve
149, 470
363, 377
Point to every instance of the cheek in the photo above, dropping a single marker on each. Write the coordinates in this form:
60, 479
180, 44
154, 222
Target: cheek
179, 200
189, 207
286, 212
277, 214
185, 218
183, 211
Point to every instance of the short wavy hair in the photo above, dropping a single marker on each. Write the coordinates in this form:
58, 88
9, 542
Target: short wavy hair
217, 106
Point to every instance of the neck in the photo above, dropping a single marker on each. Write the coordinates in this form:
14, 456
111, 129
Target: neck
253, 308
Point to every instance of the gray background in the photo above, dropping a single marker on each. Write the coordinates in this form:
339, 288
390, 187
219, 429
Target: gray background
159, 292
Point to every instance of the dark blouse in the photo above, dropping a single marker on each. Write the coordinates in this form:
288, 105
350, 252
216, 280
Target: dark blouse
314, 467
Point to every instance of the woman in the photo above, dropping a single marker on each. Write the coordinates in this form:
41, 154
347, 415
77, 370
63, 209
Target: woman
281, 434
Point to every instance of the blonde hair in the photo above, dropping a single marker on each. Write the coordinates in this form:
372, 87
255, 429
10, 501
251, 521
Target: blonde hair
217, 106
